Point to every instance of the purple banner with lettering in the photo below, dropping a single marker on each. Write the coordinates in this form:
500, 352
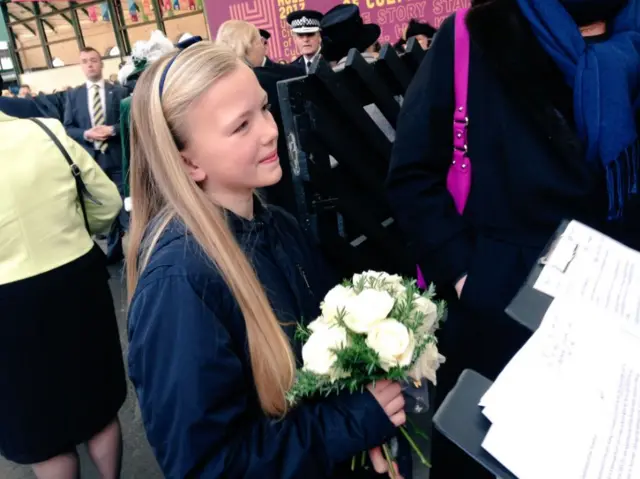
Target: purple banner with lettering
392, 16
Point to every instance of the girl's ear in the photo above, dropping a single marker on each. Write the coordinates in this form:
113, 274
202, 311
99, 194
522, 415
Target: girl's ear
196, 173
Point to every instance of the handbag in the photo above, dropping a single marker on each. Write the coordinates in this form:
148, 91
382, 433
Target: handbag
459, 175
81, 188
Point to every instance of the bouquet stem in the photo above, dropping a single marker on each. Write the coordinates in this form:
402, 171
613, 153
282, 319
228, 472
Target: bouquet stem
414, 446
387, 456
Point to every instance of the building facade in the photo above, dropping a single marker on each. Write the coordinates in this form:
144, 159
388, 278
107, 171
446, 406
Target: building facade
44, 35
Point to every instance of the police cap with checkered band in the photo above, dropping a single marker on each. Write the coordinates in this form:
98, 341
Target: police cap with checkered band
305, 21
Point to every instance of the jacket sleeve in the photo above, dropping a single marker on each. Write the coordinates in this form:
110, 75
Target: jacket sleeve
70, 124
416, 185
199, 408
107, 204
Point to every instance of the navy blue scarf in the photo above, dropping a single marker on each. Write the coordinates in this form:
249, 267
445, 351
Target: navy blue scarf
605, 77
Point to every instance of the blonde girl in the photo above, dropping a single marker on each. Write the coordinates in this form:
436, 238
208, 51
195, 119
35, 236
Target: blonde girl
217, 281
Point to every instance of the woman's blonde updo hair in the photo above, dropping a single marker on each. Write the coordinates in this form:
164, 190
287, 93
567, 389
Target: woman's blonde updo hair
239, 35
162, 190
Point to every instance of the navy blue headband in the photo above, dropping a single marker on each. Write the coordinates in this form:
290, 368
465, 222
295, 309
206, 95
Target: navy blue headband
165, 71
182, 46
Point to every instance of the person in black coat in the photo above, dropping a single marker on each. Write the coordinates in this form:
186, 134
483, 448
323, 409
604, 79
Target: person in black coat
20, 107
266, 36
217, 282
533, 165
52, 105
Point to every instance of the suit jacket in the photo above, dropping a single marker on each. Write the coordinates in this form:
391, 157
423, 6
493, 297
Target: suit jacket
299, 63
77, 119
280, 194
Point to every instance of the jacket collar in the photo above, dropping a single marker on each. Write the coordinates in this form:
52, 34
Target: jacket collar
527, 74
243, 227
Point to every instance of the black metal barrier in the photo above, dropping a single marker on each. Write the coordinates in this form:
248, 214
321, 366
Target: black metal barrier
340, 127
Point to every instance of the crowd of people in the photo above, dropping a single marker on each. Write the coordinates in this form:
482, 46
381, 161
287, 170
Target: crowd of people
187, 154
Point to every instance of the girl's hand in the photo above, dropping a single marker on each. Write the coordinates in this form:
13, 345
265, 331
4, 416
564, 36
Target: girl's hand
389, 396
380, 464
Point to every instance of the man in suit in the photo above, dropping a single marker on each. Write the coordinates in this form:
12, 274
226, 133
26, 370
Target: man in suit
91, 117
305, 27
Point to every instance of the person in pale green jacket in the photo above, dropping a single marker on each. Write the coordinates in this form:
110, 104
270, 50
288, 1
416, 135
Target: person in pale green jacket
61, 371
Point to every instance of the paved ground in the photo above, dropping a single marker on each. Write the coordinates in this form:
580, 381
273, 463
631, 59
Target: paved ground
138, 461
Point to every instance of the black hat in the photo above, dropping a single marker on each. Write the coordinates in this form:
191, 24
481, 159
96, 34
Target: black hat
343, 29
264, 34
304, 21
418, 28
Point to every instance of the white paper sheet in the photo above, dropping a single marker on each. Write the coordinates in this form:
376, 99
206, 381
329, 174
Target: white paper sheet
601, 270
568, 405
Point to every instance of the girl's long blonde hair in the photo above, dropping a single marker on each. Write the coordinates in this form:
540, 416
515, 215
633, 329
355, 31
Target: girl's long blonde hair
161, 190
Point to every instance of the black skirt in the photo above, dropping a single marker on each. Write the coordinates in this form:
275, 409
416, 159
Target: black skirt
62, 377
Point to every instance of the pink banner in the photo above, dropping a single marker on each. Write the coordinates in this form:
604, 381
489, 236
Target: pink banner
392, 16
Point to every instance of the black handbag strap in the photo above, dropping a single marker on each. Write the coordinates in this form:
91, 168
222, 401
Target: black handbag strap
75, 171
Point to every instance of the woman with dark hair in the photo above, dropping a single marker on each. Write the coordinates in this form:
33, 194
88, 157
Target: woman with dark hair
554, 90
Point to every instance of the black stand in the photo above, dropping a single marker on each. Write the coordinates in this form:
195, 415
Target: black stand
460, 420
530, 305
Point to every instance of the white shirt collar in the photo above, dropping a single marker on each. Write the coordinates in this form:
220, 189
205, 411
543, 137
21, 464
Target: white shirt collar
307, 60
90, 84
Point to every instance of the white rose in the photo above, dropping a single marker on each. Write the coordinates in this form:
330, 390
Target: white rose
320, 324
393, 342
367, 309
334, 301
430, 311
427, 364
318, 353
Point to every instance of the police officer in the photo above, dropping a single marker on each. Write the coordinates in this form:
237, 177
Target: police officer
305, 27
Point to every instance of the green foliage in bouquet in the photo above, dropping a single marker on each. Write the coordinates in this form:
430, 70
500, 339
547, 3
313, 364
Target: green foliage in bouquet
375, 327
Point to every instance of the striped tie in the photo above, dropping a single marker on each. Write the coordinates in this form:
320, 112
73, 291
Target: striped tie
98, 115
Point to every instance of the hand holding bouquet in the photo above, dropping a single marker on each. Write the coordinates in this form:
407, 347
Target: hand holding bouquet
373, 328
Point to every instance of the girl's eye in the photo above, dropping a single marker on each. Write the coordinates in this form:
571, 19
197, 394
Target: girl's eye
267, 107
242, 127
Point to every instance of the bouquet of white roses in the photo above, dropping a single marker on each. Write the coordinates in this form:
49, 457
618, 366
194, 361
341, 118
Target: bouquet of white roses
375, 327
